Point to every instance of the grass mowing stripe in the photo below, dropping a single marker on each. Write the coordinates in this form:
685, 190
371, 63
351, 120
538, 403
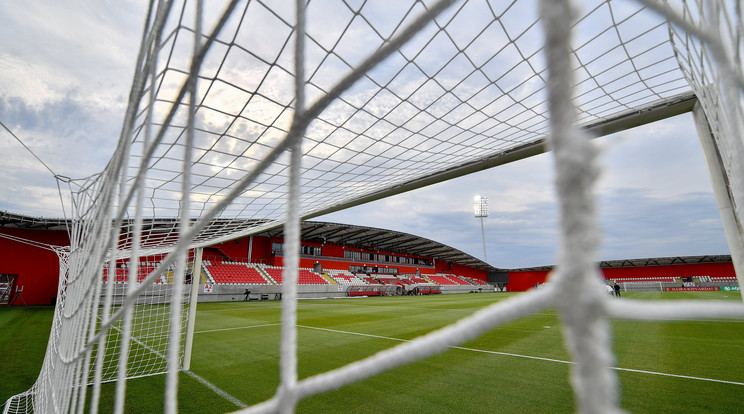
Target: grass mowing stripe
217, 390
237, 328
640, 371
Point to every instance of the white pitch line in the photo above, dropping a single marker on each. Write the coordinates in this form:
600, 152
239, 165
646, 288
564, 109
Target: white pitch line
218, 391
213, 387
678, 376
237, 328
640, 371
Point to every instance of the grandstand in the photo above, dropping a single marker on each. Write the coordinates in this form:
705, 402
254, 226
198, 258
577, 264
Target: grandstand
234, 273
334, 259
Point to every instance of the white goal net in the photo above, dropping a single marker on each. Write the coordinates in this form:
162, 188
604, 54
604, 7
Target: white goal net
246, 115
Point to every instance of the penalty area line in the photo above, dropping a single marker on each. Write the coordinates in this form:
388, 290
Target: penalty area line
217, 390
639, 371
237, 328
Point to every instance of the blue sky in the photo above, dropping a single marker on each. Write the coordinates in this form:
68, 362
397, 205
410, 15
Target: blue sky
65, 72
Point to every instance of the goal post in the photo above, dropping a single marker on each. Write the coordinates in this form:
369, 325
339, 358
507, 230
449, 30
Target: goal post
722, 190
193, 301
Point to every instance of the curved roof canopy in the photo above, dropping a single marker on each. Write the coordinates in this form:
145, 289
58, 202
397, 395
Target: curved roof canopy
323, 232
381, 239
365, 237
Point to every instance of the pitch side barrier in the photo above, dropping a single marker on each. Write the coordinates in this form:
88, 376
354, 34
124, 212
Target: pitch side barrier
676, 286
243, 292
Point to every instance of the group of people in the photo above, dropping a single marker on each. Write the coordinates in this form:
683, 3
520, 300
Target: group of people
613, 290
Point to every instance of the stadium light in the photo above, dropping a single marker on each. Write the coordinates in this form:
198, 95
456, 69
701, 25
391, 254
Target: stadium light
480, 209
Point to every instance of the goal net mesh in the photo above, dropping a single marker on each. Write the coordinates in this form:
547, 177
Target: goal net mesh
247, 115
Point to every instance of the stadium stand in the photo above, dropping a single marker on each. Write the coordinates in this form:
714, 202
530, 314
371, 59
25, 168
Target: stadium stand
235, 273
308, 277
122, 272
304, 276
370, 280
441, 280
476, 282
246, 273
723, 279
404, 280
647, 280
420, 280
274, 273
343, 277
458, 280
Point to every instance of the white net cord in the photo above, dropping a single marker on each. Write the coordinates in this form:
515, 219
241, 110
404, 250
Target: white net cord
577, 278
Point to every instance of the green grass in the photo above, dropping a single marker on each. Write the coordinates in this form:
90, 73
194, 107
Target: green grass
24, 332
237, 348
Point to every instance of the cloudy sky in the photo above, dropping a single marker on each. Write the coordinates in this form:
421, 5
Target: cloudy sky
655, 201
65, 71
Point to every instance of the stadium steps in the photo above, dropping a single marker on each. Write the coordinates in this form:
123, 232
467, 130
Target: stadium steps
330, 280
428, 279
205, 272
266, 275
206, 278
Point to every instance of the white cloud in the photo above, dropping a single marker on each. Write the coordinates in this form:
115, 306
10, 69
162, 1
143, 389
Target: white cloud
65, 73
52, 47
664, 156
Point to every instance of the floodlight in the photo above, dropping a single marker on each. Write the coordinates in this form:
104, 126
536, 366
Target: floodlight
480, 209
480, 206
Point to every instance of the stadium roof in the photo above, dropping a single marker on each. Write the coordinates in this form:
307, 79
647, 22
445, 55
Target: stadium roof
651, 261
17, 221
369, 238
350, 235
382, 239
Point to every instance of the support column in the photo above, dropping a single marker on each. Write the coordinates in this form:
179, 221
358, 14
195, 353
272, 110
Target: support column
250, 249
718, 179
193, 300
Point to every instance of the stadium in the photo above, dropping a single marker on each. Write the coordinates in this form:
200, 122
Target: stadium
336, 260
194, 271
386, 264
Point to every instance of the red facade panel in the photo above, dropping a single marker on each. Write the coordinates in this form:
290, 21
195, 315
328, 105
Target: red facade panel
37, 268
522, 281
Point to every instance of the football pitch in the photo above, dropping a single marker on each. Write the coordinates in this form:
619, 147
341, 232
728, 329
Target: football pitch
689, 366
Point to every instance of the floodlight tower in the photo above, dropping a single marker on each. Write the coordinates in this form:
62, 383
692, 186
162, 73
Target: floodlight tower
480, 208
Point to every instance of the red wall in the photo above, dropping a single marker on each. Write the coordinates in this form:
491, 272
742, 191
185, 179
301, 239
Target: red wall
37, 268
261, 250
235, 249
521, 281
460, 270
333, 250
